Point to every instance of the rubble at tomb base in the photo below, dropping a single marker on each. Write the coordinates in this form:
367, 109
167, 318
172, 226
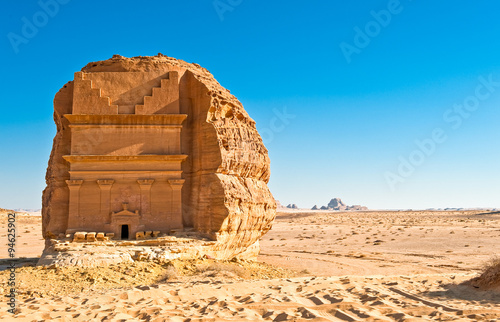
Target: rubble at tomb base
150, 147
82, 249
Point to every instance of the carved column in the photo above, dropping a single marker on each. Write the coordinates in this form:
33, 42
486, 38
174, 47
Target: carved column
74, 205
145, 185
105, 209
176, 207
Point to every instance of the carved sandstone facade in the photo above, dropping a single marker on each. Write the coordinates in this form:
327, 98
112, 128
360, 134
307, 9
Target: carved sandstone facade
156, 144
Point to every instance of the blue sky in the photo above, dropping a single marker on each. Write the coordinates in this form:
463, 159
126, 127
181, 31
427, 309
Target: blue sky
337, 124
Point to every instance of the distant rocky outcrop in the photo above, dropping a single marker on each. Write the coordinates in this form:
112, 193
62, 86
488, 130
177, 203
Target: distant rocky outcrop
32, 212
337, 204
279, 205
356, 208
27, 210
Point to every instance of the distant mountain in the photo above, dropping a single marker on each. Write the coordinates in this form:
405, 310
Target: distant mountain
28, 210
21, 211
279, 205
463, 209
336, 204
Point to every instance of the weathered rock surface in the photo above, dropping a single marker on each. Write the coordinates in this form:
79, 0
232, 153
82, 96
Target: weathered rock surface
133, 131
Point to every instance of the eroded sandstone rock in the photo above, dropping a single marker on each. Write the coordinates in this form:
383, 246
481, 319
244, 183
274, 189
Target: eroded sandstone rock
155, 144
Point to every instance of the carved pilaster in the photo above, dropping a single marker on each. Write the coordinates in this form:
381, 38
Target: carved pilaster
145, 185
105, 209
176, 211
74, 204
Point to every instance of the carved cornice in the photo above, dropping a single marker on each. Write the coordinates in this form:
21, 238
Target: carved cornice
111, 158
126, 119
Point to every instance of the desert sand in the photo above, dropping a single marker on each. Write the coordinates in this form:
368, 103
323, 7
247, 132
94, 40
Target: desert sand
383, 242
319, 266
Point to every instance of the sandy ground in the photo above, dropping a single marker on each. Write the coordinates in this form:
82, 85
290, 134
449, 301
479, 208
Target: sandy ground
389, 243
29, 243
366, 266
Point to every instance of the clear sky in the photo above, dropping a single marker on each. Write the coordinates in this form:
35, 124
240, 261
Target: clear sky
388, 104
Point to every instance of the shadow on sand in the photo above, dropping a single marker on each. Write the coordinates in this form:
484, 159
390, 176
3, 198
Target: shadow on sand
6, 263
465, 292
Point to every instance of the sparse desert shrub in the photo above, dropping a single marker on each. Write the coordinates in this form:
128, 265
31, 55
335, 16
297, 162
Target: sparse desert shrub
168, 274
218, 267
305, 272
490, 277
